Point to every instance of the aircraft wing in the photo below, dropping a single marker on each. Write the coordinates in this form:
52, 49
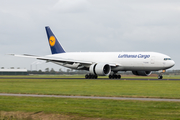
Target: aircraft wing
53, 59
62, 60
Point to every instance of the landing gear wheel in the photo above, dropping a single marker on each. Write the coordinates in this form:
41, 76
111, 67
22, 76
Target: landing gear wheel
110, 76
119, 76
95, 77
160, 77
114, 76
86, 76
90, 76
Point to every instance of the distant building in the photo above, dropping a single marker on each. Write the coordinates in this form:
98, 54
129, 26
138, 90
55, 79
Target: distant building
13, 72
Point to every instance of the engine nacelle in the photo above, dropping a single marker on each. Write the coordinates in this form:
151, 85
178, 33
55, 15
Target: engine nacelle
101, 69
142, 73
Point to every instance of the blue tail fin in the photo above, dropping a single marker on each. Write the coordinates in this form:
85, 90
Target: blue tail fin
53, 42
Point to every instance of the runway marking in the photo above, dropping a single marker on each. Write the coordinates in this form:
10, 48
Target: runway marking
90, 97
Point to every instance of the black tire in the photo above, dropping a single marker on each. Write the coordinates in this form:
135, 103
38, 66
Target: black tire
119, 76
93, 76
87, 76
110, 76
160, 77
90, 76
115, 76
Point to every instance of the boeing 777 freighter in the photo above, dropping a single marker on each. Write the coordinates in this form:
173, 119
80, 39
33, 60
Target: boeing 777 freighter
106, 63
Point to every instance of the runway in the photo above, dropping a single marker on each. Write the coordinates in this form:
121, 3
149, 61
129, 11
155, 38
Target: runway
90, 97
84, 78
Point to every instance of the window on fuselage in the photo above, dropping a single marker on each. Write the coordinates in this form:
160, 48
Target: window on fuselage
167, 58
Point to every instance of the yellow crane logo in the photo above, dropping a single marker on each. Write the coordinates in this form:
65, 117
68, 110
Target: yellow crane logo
52, 41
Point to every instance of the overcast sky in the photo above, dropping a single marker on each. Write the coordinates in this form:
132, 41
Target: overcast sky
88, 25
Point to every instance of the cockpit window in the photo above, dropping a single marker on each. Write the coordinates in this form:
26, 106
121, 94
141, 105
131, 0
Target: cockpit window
167, 58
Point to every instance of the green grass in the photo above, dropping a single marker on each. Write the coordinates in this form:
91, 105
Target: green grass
89, 108
125, 88
112, 109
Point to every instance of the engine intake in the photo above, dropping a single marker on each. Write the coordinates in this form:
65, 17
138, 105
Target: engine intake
142, 73
101, 69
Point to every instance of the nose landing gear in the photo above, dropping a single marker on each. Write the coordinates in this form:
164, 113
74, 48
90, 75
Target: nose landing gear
160, 74
160, 77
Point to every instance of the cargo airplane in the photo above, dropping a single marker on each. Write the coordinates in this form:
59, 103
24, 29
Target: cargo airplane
105, 63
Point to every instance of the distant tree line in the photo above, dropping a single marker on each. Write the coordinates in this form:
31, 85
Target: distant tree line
52, 71
72, 71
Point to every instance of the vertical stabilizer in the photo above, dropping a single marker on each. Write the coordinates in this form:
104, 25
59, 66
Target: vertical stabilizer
53, 42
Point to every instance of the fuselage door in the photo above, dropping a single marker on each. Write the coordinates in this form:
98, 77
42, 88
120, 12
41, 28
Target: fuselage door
152, 59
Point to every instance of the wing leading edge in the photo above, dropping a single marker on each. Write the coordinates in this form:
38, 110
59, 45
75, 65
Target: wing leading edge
62, 60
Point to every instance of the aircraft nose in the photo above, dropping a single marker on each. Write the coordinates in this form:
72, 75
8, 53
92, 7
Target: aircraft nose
171, 63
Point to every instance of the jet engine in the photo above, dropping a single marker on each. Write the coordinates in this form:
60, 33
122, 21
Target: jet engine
101, 69
142, 73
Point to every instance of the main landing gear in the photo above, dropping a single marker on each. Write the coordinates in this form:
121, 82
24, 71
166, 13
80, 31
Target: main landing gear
114, 76
91, 76
111, 76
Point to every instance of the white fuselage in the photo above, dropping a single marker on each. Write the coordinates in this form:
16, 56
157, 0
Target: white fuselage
124, 61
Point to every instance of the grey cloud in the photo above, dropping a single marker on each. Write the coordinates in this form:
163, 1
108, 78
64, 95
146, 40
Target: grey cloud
89, 25
72, 6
